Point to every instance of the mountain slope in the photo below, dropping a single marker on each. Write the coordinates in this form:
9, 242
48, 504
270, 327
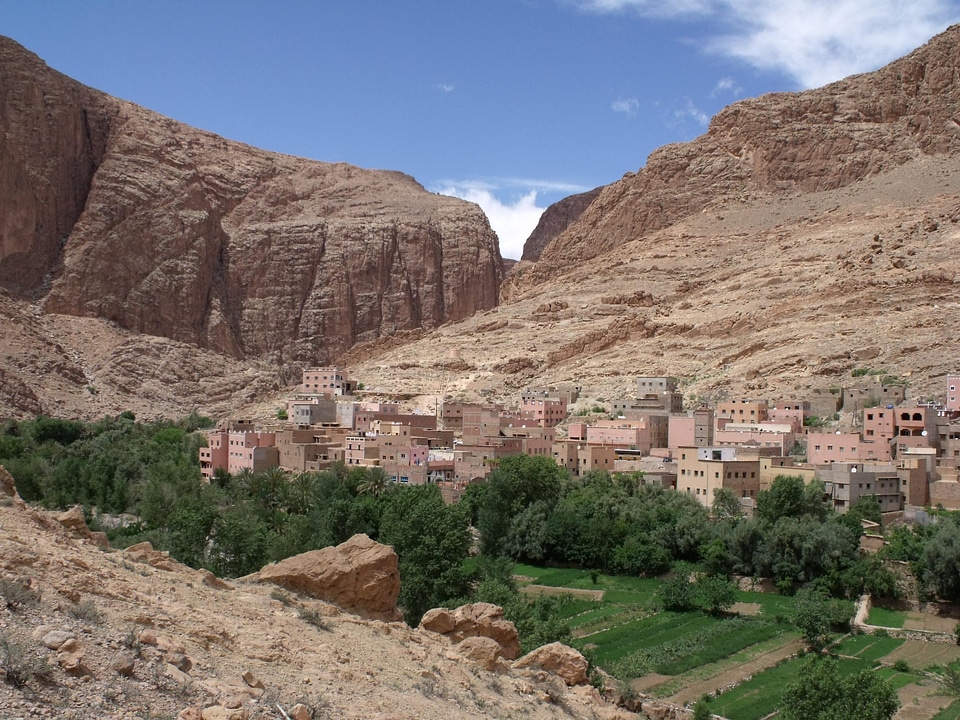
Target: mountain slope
165, 230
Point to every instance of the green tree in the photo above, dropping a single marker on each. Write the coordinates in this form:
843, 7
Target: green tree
941, 558
715, 593
517, 482
821, 692
432, 540
376, 482
788, 496
677, 592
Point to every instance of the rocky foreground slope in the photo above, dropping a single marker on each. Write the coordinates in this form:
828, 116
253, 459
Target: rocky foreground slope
114, 212
86, 632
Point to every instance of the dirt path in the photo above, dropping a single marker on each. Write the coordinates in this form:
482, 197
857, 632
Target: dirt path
735, 674
551, 590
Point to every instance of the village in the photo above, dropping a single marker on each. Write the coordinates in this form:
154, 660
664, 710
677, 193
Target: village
865, 439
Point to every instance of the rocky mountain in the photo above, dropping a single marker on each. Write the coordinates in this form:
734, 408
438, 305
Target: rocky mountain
781, 145
117, 213
555, 220
804, 236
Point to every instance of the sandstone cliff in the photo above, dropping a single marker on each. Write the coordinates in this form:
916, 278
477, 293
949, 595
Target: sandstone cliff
121, 214
805, 236
780, 144
555, 220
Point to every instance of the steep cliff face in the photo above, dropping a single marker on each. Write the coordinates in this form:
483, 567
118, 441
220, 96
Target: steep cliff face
52, 136
780, 144
171, 231
555, 220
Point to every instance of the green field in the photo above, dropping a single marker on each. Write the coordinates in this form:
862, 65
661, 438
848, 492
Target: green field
886, 618
626, 634
866, 647
951, 712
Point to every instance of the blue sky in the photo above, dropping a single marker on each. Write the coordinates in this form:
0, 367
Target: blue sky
510, 103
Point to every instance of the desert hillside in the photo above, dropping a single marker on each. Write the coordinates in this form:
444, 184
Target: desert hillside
133, 634
803, 236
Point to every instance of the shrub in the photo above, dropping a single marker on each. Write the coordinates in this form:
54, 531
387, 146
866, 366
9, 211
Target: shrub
20, 665
18, 595
901, 666
313, 617
85, 611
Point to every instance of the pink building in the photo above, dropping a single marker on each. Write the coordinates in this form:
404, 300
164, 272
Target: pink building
361, 450
791, 416
328, 380
953, 393
693, 430
742, 411
235, 450
770, 435
916, 427
825, 448
543, 411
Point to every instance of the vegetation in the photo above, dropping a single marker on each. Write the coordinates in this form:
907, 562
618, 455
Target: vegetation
822, 693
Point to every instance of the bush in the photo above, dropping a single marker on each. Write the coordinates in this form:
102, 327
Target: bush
20, 665
901, 666
18, 595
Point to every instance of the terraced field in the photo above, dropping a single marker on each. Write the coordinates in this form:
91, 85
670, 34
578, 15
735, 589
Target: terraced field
750, 656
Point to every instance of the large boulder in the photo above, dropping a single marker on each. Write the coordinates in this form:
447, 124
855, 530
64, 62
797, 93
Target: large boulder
561, 660
359, 575
475, 620
8, 487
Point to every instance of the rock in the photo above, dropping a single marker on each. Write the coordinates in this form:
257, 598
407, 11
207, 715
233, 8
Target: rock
144, 553
124, 663
482, 650
190, 713
561, 660
252, 680
301, 712
72, 662
218, 712
475, 620
147, 637
8, 486
438, 620
211, 580
554, 220
180, 661
359, 575
55, 639
73, 519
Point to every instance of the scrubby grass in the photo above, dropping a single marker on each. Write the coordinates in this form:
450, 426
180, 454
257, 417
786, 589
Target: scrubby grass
867, 647
951, 712
886, 618
617, 588
770, 605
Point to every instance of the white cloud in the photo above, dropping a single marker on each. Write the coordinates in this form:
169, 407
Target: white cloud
813, 41
446, 87
689, 111
627, 106
818, 41
513, 220
726, 85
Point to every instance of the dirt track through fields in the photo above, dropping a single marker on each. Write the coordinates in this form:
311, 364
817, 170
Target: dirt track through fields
735, 674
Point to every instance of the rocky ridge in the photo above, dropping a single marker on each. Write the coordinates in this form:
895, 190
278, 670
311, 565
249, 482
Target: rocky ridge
160, 229
806, 235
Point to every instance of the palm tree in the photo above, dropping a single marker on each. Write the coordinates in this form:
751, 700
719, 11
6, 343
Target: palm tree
301, 498
376, 482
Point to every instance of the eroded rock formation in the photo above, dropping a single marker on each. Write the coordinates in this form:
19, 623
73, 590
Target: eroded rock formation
359, 575
115, 212
778, 144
